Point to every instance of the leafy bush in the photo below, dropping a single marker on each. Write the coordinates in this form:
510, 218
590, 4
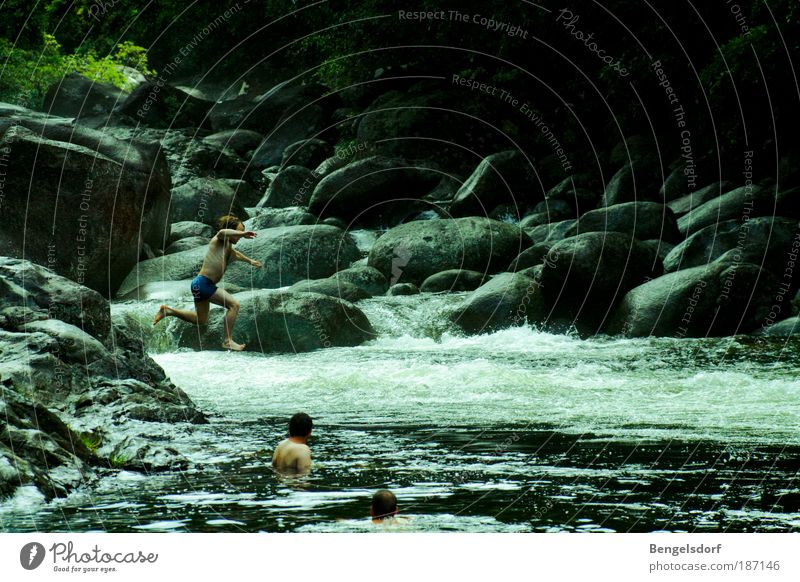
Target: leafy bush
26, 74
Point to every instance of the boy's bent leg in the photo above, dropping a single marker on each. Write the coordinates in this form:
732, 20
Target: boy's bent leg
184, 314
229, 302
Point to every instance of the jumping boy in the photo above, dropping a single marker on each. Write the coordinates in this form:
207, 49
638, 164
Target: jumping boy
204, 287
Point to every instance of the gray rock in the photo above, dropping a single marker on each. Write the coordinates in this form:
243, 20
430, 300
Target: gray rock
453, 280
331, 287
686, 204
367, 278
161, 105
293, 186
367, 189
186, 244
403, 289
508, 300
204, 200
631, 184
531, 257
72, 179
643, 220
189, 228
414, 251
275, 321
308, 153
550, 232
764, 241
76, 96
273, 217
789, 327
503, 178
718, 299
586, 275
241, 141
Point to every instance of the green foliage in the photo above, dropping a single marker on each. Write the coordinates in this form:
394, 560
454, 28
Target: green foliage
27, 74
91, 441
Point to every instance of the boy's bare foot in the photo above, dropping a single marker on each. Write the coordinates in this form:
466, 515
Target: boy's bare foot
162, 313
232, 345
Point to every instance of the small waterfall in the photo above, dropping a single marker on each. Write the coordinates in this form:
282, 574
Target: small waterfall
416, 316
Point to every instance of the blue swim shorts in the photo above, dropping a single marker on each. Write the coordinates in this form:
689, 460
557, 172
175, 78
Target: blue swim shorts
203, 288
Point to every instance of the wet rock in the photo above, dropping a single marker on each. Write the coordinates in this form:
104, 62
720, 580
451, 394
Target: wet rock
403, 289
308, 153
369, 279
765, 240
293, 186
642, 220
453, 280
160, 105
275, 321
686, 204
531, 257
414, 251
189, 228
789, 327
507, 300
718, 299
76, 96
550, 232
173, 267
72, 178
580, 191
204, 200
585, 275
367, 189
742, 204
331, 287
503, 178
241, 141
274, 217
186, 244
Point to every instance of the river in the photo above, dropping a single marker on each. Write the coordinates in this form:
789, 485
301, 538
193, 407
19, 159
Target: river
519, 430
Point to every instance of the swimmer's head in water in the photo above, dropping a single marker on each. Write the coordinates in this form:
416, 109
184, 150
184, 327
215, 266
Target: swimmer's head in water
384, 504
300, 425
230, 221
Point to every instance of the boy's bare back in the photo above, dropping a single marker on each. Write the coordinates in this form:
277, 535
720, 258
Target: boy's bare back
291, 456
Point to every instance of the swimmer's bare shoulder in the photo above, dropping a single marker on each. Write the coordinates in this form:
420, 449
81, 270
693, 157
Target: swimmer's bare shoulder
291, 456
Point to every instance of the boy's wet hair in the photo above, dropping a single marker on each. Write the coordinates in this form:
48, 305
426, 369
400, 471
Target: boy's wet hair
300, 425
384, 504
228, 221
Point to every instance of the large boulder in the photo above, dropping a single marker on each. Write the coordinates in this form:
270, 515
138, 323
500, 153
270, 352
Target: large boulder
686, 204
72, 379
293, 186
280, 321
550, 232
453, 280
90, 199
718, 299
765, 240
631, 184
742, 203
76, 96
504, 178
331, 287
242, 141
205, 200
308, 153
367, 189
585, 275
272, 217
580, 191
289, 254
414, 251
158, 104
643, 220
367, 278
507, 300
186, 244
785, 328
190, 228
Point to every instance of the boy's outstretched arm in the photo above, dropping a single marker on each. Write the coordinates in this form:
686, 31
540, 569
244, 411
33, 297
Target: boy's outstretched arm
242, 257
234, 235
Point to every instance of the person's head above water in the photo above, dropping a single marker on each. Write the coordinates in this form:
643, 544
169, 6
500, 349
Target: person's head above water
384, 504
230, 221
300, 425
